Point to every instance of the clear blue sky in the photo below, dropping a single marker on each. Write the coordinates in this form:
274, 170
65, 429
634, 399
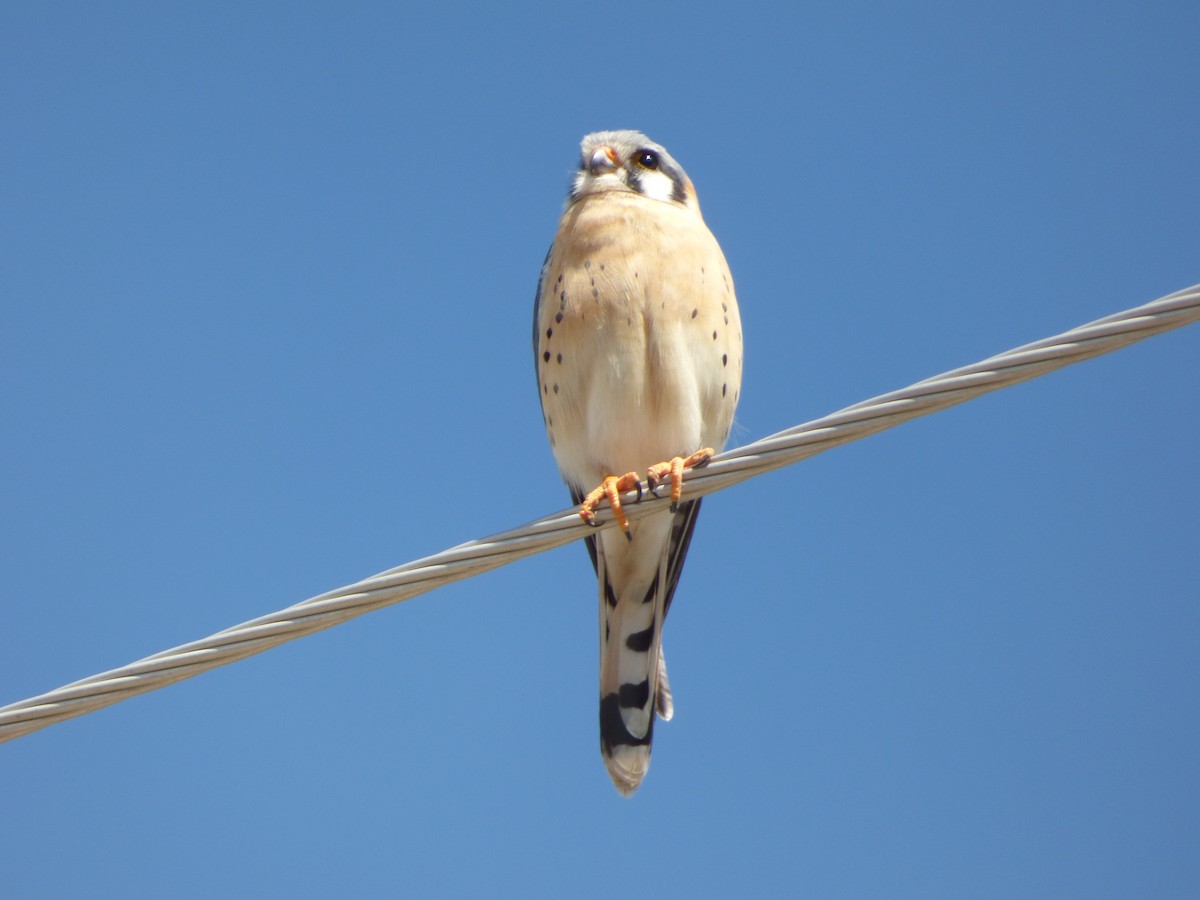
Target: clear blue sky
266, 279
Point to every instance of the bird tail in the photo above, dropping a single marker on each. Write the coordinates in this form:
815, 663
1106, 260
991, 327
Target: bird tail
637, 581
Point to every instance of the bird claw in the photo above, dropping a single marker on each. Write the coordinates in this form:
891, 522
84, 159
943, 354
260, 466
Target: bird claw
611, 489
653, 481
614, 486
673, 469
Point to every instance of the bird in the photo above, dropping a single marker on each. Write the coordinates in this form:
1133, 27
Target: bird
637, 345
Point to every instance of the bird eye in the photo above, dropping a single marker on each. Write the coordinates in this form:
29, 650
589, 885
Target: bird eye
648, 159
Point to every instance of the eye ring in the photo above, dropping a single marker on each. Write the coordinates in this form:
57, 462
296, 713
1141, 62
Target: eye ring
648, 159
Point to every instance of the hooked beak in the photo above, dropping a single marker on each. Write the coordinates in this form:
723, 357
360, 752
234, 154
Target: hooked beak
604, 159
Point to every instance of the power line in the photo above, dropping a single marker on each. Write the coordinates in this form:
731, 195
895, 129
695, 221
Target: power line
473, 558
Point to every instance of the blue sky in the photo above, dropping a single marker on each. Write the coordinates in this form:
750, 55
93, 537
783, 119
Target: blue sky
266, 277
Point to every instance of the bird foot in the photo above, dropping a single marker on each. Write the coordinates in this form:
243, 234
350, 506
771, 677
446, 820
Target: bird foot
614, 486
673, 468
611, 489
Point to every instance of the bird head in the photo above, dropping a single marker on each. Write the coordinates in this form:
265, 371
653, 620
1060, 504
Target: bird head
630, 162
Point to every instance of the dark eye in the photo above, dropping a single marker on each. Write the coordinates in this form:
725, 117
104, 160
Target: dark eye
648, 159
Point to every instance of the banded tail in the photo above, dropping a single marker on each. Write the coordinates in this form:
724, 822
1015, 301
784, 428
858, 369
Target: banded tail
637, 582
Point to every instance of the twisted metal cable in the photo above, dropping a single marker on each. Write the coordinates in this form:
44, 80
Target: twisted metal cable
473, 558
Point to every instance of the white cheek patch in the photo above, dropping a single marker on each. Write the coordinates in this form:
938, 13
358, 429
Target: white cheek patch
657, 185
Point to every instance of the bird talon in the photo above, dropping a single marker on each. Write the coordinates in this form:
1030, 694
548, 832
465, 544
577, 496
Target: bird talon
653, 482
611, 489
674, 469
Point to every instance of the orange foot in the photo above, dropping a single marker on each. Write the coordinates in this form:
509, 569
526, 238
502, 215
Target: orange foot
674, 468
611, 489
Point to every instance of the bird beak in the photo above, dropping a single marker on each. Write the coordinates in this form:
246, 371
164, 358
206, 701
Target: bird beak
604, 159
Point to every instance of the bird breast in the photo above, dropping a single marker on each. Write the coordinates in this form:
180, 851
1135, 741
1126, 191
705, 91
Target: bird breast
639, 337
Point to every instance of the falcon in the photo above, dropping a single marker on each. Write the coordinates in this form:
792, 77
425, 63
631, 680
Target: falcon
638, 349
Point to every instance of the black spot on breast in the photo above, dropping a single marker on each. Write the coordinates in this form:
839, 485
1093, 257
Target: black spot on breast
546, 356
556, 389
549, 333
560, 359
723, 388
695, 312
558, 317
724, 358
714, 335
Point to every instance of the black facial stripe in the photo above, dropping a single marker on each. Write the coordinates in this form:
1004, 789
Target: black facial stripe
678, 193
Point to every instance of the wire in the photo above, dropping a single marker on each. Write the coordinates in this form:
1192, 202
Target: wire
474, 558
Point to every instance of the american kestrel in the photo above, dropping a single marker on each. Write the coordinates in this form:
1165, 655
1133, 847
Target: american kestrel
638, 350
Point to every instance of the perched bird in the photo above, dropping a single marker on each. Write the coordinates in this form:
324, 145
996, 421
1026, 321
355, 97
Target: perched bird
638, 349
